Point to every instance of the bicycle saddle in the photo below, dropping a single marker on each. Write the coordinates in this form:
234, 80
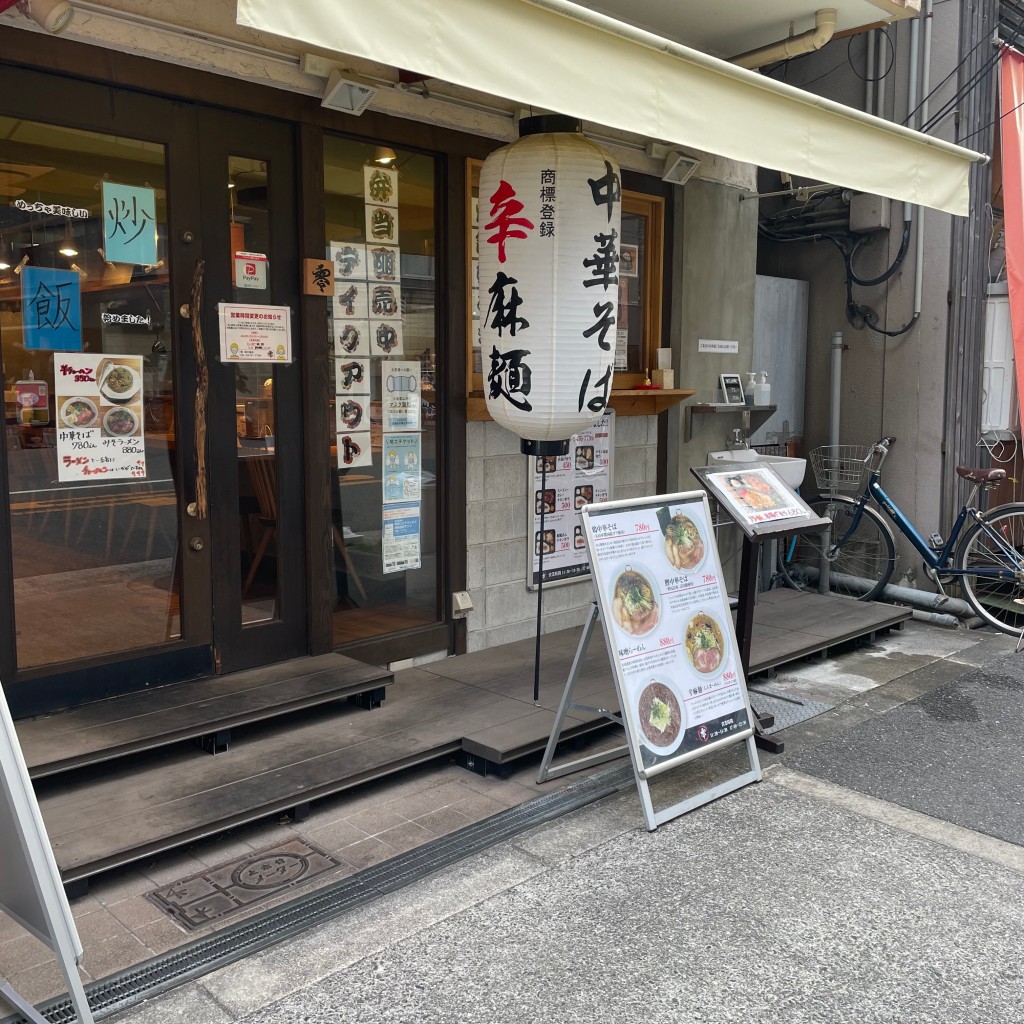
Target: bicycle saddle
981, 476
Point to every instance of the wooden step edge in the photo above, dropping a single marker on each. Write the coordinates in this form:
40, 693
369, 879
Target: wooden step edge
129, 856
495, 756
45, 769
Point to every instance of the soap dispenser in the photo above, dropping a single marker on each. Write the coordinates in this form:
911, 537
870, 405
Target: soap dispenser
748, 388
763, 390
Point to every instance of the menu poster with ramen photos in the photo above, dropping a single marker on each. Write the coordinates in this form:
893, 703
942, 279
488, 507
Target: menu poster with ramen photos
99, 417
757, 499
668, 626
581, 477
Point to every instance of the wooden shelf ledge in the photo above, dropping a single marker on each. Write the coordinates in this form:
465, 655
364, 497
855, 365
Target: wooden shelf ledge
640, 402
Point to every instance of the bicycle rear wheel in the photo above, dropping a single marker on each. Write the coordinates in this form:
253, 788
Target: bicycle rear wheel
1000, 602
863, 565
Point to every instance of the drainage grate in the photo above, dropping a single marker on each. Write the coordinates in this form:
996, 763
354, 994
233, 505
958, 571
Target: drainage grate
235, 942
788, 709
242, 883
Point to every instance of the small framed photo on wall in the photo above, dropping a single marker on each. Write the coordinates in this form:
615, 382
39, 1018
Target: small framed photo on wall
732, 388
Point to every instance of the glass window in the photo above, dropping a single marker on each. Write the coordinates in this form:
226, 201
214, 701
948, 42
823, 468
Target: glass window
85, 327
381, 231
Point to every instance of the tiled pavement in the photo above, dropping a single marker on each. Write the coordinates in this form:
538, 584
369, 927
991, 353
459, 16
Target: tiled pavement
120, 927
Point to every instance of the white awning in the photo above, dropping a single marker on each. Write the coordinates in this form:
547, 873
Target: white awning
609, 73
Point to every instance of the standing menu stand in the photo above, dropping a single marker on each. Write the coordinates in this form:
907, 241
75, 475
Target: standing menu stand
30, 886
671, 643
765, 508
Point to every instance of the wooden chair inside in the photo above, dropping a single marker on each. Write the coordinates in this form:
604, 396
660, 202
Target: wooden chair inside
263, 473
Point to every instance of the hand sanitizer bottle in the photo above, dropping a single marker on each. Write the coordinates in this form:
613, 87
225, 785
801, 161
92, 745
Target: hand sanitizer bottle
763, 390
748, 388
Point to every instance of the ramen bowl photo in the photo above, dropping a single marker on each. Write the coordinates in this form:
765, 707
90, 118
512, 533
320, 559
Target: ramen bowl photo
79, 412
120, 422
705, 644
660, 715
684, 546
635, 602
120, 384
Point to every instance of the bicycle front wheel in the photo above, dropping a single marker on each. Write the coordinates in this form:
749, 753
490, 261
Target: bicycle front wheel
866, 558
999, 601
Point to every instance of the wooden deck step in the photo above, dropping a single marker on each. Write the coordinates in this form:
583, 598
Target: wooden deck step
155, 718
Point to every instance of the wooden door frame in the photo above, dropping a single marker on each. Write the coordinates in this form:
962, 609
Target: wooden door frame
41, 96
223, 134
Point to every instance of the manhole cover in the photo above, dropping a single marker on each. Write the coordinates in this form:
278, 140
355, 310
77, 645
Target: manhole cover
229, 888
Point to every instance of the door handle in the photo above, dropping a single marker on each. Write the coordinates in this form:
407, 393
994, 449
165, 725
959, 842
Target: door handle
196, 543
202, 388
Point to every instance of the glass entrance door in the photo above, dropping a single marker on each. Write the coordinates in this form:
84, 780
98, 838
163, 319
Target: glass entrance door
153, 489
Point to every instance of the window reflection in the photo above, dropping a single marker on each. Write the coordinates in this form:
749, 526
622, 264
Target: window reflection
382, 233
83, 283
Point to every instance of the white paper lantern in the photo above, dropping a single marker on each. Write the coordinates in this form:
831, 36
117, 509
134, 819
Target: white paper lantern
549, 222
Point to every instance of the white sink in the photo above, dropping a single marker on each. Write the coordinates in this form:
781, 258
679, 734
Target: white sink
789, 469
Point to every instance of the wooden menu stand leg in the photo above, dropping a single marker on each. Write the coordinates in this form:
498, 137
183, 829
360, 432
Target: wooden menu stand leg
744, 636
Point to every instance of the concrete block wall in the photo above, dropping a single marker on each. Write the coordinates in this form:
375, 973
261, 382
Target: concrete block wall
497, 496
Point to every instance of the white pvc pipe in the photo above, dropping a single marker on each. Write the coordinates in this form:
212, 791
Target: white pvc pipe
835, 387
794, 46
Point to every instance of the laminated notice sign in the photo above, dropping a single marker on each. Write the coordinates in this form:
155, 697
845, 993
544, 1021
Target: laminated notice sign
400, 539
668, 627
400, 390
401, 459
255, 334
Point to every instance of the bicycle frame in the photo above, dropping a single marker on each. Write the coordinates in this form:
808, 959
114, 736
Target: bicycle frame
934, 558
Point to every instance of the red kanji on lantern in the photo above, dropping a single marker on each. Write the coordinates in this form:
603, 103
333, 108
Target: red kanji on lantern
504, 207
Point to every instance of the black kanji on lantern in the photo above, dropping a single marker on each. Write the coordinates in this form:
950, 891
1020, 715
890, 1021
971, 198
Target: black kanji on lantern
599, 402
605, 313
606, 191
509, 377
604, 262
504, 307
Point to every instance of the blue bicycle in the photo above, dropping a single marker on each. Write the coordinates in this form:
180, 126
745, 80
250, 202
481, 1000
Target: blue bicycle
984, 552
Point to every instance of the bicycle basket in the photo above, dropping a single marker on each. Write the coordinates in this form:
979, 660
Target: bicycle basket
840, 467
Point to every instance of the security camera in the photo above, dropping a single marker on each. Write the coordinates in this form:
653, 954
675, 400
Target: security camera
52, 15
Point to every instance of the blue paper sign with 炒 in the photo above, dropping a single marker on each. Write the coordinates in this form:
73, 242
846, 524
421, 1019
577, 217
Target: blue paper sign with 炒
129, 224
51, 302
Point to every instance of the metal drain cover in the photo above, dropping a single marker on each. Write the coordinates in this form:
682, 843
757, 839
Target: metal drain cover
222, 891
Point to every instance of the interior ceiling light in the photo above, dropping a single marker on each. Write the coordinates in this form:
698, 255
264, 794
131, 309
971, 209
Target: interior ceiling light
384, 155
52, 15
348, 93
67, 247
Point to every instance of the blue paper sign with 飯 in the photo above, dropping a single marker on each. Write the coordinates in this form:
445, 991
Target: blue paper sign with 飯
129, 224
51, 302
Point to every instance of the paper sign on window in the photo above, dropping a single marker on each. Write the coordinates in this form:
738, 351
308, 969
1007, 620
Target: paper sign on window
129, 224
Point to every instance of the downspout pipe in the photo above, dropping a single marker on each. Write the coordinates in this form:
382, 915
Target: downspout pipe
794, 46
835, 387
925, 600
926, 59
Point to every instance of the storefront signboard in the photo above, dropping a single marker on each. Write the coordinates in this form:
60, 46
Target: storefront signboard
581, 477
51, 302
401, 394
251, 270
354, 449
100, 431
129, 224
30, 887
401, 468
351, 337
255, 334
669, 632
349, 259
400, 540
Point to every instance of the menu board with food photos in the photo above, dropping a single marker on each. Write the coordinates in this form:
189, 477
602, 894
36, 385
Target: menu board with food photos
668, 627
581, 477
